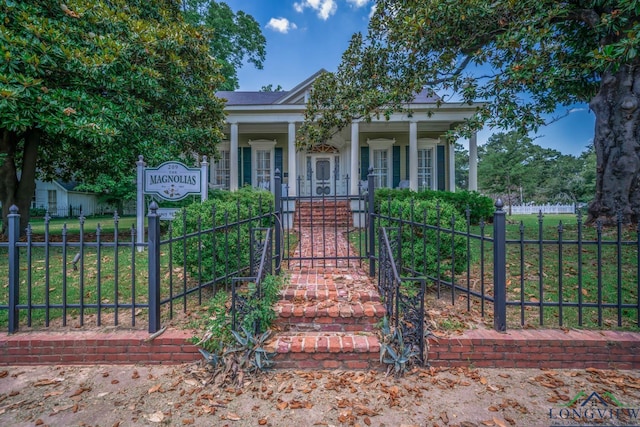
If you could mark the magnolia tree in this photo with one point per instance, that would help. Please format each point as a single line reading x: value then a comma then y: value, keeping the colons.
x: 526, y: 59
x: 86, y: 87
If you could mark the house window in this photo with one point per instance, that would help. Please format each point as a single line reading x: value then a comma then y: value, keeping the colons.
x: 425, y: 169
x: 427, y: 174
x: 52, y: 202
x: 381, y: 168
x: 263, y: 169
x: 380, y: 160
x: 262, y: 156
x: 222, y: 173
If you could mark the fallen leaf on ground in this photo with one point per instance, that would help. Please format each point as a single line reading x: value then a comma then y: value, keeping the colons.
x: 499, y: 422
x: 79, y: 391
x: 46, y: 381
x: 156, y: 417
x: 155, y: 388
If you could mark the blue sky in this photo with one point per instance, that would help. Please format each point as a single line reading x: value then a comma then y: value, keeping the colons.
x: 304, y: 36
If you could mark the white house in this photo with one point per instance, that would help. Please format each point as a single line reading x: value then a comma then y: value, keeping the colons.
x: 405, y: 151
x: 61, y: 199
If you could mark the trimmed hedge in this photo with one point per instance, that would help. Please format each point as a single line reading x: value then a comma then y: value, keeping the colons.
x: 433, y: 221
x: 480, y: 207
x: 225, y: 250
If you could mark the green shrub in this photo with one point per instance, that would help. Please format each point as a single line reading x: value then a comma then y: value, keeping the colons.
x: 420, y: 251
x: 480, y: 207
x: 218, y: 338
x: 225, y: 249
x: 37, y: 212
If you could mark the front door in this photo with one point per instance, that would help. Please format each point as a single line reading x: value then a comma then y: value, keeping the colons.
x: 322, y: 181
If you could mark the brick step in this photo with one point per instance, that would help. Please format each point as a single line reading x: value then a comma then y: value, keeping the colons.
x: 327, y: 292
x: 328, y: 315
x: 323, y: 213
x: 325, y: 350
x: 327, y: 202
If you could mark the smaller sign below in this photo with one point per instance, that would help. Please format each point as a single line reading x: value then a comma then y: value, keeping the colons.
x: 167, y: 214
x: 172, y: 181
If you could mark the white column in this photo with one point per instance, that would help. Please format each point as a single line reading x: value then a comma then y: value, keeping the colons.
x: 355, y: 145
x: 473, y: 163
x: 413, y: 155
x: 233, y: 157
x: 452, y: 167
x: 292, y: 167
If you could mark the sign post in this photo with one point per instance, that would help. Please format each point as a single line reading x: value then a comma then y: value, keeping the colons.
x: 140, y: 164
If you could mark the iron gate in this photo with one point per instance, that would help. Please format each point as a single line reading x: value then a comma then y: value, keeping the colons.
x: 323, y: 228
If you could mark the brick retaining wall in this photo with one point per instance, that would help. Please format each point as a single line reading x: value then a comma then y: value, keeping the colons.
x: 538, y: 349
x: 480, y: 348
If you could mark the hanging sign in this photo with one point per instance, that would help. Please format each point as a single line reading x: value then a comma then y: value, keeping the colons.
x: 172, y: 181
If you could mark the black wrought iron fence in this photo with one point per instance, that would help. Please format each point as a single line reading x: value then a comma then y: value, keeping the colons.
x: 105, y: 278
x: 312, y: 217
x: 403, y: 297
x: 243, y: 289
x: 530, y: 272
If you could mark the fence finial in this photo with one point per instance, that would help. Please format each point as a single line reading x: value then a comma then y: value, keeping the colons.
x: 13, y: 210
x: 499, y: 204
x: 153, y: 207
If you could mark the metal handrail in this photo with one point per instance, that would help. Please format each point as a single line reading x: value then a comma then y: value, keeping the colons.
x: 257, y: 279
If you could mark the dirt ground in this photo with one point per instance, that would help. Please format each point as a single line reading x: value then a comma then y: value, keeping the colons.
x: 183, y: 395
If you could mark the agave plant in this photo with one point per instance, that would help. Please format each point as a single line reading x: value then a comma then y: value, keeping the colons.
x: 250, y: 351
x: 393, y: 350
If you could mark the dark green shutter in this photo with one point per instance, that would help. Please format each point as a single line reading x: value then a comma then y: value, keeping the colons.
x: 278, y: 161
x: 239, y: 167
x: 440, y: 166
x: 395, y: 153
x: 246, y: 165
x: 364, y: 163
x: 406, y: 162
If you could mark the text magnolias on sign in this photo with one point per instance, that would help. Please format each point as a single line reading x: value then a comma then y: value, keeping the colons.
x: 172, y: 181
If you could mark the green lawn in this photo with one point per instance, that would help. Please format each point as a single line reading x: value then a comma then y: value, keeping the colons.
x: 542, y: 272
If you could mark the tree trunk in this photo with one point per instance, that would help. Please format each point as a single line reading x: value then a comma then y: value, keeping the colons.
x: 14, y: 191
x: 617, y: 147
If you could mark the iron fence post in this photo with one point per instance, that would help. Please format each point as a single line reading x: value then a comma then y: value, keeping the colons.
x: 372, y: 231
x: 14, y: 267
x: 278, y: 213
x: 154, y: 267
x: 499, y: 269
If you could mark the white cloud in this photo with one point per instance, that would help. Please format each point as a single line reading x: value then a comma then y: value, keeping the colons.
x: 373, y: 10
x: 281, y: 25
x: 324, y: 8
x: 358, y: 3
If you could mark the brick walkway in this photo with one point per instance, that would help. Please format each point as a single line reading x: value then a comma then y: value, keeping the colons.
x: 329, y: 309
x: 324, y: 247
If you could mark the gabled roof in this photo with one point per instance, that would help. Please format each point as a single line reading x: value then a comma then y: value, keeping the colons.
x: 67, y: 185
x: 297, y: 95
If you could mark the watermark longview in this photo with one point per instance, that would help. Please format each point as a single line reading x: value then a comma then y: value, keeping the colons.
x: 594, y: 409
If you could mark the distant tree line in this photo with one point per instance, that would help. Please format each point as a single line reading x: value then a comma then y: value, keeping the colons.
x: 519, y: 171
